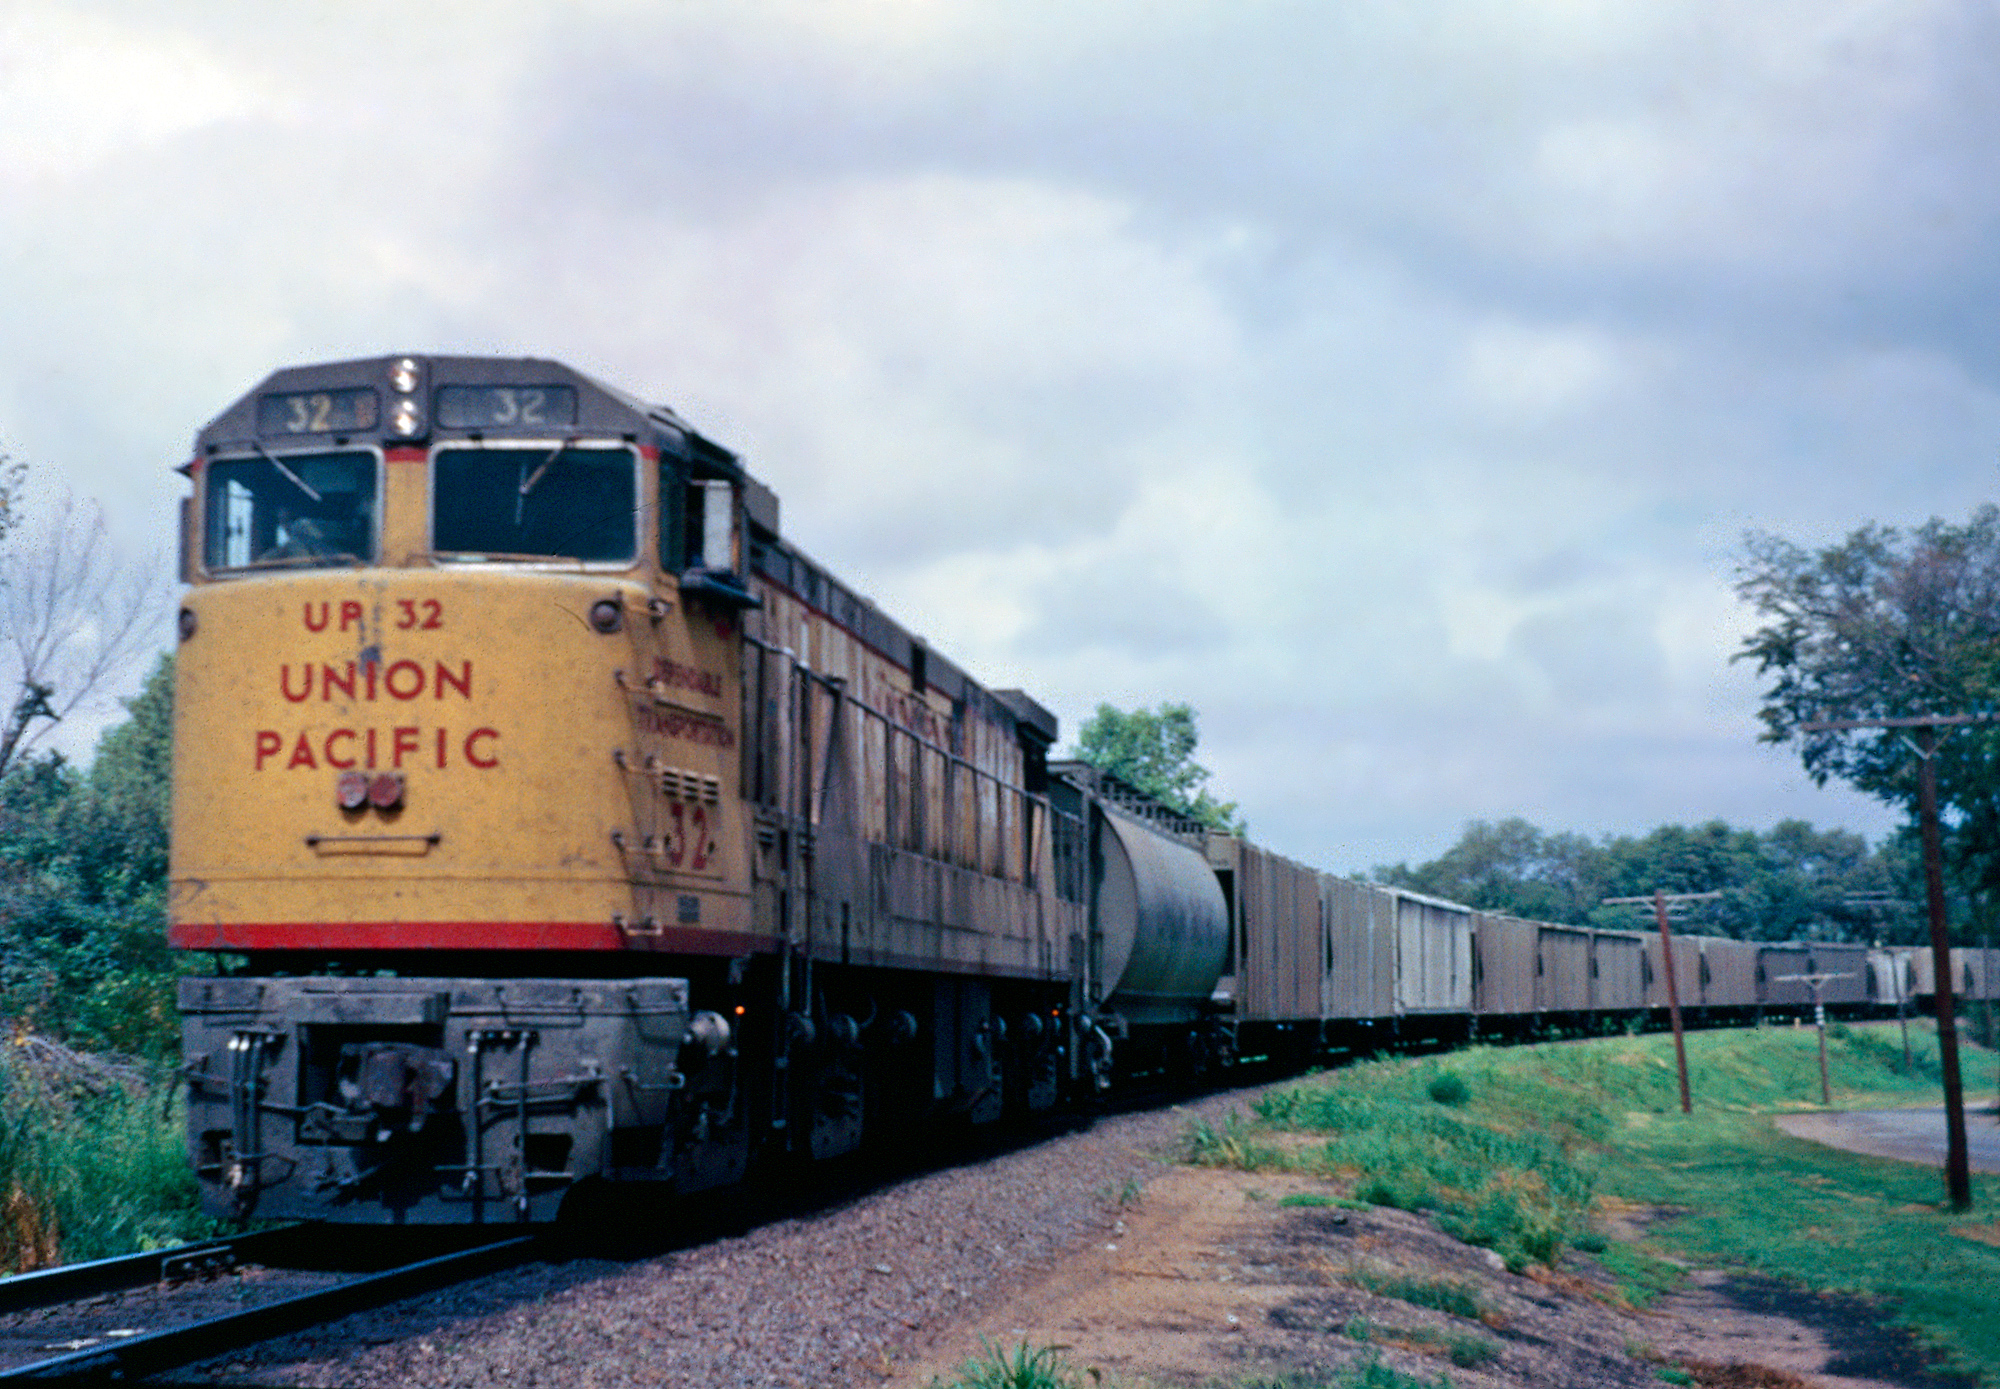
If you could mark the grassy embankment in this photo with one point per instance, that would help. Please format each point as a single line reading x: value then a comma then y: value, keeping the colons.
x: 93, y: 1161
x: 1523, y: 1149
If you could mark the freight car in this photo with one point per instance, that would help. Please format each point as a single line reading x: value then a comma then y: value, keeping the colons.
x: 554, y: 820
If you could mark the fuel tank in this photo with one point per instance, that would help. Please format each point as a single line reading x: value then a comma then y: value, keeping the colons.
x: 1161, y: 934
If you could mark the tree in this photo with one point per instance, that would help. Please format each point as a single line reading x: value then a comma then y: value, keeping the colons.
x: 1511, y: 867
x: 83, y: 867
x: 1888, y: 625
x: 1153, y: 750
x: 75, y: 615
x: 1788, y: 883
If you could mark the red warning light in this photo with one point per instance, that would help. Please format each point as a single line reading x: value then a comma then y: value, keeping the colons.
x: 385, y: 791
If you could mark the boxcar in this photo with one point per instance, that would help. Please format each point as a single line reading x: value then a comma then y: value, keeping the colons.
x: 1780, y: 971
x: 1890, y: 980
x: 1729, y: 973
x: 1688, y: 981
x: 1618, y: 971
x: 1433, y: 955
x: 1847, y: 965
x: 1505, y: 966
x: 1562, y: 981
x: 1281, y: 935
x: 1361, y: 950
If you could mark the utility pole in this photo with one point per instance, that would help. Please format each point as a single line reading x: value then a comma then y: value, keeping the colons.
x: 1958, y: 1173
x: 1818, y: 981
x: 1659, y: 901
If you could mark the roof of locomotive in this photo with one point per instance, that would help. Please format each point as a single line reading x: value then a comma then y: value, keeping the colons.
x: 600, y: 409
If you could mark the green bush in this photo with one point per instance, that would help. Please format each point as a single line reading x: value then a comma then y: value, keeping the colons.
x: 1023, y: 1367
x: 91, y: 1162
x: 1228, y: 1145
x: 1449, y: 1089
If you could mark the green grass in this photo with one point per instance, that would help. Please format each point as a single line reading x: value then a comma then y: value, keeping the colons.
x: 1462, y: 1348
x: 1322, y: 1199
x: 87, y: 1175
x: 1640, y: 1277
x: 1367, y: 1373
x: 1023, y: 1367
x: 1450, y: 1295
x: 1503, y: 1163
x: 1517, y: 1153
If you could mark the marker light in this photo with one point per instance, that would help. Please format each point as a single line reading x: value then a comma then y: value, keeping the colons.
x: 607, y: 615
x: 352, y: 790
x: 385, y: 791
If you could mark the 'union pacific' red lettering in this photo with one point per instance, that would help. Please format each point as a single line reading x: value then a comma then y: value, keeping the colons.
x: 481, y: 735
x: 403, y: 680
x: 410, y: 686
x: 337, y: 747
x: 331, y: 760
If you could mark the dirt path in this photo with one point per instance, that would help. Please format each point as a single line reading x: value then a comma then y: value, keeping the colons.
x: 1209, y: 1278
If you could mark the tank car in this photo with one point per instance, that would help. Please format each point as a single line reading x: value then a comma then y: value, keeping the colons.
x: 552, y: 819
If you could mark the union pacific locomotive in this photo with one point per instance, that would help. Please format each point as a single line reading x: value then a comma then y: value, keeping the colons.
x: 554, y: 821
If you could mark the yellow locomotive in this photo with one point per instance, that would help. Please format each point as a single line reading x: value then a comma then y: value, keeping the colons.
x: 553, y: 820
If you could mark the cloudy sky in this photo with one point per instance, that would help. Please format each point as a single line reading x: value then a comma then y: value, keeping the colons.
x: 1393, y: 382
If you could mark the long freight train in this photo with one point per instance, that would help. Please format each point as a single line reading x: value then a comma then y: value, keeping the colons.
x: 554, y: 821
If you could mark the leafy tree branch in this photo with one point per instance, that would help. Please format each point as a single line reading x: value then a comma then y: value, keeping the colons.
x: 1153, y: 750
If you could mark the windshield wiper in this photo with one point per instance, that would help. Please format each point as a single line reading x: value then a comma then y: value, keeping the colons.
x: 295, y: 479
x: 528, y: 483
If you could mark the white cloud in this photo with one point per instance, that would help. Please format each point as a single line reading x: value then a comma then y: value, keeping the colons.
x: 76, y: 89
x: 1390, y: 385
x: 1520, y: 372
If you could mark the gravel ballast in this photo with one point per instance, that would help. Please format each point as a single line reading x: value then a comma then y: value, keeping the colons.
x: 833, y: 1298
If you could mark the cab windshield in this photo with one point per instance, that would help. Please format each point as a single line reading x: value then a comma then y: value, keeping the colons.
x: 540, y: 502
x: 292, y: 510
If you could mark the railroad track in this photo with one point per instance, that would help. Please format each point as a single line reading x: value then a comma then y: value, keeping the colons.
x: 125, y: 1318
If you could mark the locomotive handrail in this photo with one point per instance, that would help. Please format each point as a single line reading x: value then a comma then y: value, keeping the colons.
x: 429, y: 841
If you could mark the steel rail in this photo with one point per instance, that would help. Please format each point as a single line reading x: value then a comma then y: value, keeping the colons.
x: 68, y: 1282
x: 137, y: 1356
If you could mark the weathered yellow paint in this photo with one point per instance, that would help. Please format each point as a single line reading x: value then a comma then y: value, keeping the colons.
x: 512, y: 674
